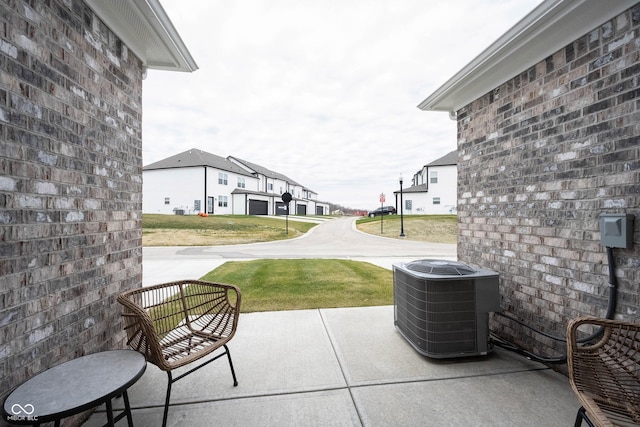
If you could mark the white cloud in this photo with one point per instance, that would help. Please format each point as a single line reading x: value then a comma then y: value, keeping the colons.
x: 323, y: 92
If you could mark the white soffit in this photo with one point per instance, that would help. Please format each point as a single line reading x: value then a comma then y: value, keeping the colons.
x: 548, y: 28
x: 144, y: 27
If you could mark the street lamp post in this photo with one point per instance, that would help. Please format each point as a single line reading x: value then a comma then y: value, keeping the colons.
x: 401, y: 210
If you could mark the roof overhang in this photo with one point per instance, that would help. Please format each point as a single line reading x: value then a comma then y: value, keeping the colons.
x: 144, y: 27
x: 548, y: 28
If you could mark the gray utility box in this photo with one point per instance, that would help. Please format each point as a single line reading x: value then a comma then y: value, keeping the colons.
x: 616, y: 230
x: 442, y: 307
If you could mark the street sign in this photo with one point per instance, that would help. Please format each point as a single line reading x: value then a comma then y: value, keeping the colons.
x: 286, y: 198
x: 382, y: 198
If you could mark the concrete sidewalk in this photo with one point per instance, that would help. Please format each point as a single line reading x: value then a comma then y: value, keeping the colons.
x: 350, y: 367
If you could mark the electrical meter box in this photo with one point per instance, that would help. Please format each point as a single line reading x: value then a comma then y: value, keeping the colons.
x: 616, y: 230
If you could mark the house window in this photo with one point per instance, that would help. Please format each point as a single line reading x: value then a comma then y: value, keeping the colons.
x: 270, y: 186
x: 222, y: 201
x: 223, y: 178
x: 436, y: 200
x: 241, y: 183
x: 167, y: 200
x: 196, y: 205
x: 434, y: 177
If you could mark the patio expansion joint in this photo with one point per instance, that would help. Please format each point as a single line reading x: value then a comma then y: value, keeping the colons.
x: 450, y: 378
x: 348, y: 387
x: 342, y: 369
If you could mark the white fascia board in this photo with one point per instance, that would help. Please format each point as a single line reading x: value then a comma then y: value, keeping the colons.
x: 548, y: 28
x: 144, y: 27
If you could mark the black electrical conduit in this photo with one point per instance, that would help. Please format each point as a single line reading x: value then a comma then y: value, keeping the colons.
x: 611, y: 309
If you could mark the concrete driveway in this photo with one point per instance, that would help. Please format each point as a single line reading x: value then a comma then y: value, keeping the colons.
x: 333, y: 238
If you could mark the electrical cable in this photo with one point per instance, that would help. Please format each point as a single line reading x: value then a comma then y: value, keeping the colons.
x: 516, y: 349
x: 611, y: 308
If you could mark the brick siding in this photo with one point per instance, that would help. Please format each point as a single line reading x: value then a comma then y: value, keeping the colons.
x: 540, y: 158
x: 70, y: 185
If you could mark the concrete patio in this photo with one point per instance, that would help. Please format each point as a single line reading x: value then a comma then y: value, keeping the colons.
x: 350, y: 367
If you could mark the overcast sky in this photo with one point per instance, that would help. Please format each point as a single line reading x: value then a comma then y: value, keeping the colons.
x: 323, y: 91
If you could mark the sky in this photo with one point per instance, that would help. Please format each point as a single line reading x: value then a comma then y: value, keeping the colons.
x: 324, y: 92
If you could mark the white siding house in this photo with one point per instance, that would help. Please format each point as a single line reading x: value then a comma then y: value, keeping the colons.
x: 196, y: 181
x: 434, y: 188
x: 192, y: 182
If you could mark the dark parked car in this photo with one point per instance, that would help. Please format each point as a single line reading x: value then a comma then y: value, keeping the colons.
x: 385, y: 210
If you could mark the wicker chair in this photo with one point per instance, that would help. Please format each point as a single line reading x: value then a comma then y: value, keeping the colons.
x: 606, y: 375
x: 176, y: 323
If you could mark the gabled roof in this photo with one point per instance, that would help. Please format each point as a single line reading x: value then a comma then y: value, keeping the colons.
x: 446, y: 160
x: 421, y: 188
x: 263, y: 171
x: 195, y: 158
x: 144, y: 27
x: 548, y: 28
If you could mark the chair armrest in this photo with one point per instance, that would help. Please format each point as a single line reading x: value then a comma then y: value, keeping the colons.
x: 605, y: 375
x: 211, y: 308
x: 139, y: 327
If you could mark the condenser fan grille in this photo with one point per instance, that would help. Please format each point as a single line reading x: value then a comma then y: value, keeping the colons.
x: 440, y: 268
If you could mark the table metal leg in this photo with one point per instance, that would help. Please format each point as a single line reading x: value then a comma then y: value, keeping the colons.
x: 110, y: 422
x: 127, y: 408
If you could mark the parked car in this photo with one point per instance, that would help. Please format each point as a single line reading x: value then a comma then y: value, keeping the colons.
x: 385, y: 210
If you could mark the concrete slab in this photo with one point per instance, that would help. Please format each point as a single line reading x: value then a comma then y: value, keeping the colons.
x: 346, y: 367
x: 276, y: 352
x: 534, y: 398
x: 372, y: 351
x: 326, y: 408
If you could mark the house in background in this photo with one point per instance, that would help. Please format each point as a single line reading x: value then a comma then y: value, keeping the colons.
x: 196, y: 181
x: 548, y: 141
x: 434, y: 188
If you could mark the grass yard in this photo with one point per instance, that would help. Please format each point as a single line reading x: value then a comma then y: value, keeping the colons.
x: 194, y: 230
x: 282, y: 284
x: 423, y: 228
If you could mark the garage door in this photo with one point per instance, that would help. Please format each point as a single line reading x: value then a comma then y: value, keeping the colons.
x: 301, y: 209
x: 258, y: 207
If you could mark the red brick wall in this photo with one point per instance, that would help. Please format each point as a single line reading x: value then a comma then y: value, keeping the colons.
x: 70, y: 185
x: 540, y: 158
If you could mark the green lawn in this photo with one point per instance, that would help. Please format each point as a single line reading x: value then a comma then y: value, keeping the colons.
x: 194, y: 230
x: 423, y: 228
x: 281, y: 284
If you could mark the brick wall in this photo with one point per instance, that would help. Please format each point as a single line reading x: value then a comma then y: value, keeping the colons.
x: 70, y: 185
x: 540, y: 158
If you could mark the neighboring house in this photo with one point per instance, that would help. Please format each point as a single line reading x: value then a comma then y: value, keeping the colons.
x: 434, y: 188
x: 71, y: 172
x: 548, y: 140
x: 196, y: 181
x: 192, y: 182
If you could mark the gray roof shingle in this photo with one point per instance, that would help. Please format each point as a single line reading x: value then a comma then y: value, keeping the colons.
x: 194, y: 158
x: 446, y: 160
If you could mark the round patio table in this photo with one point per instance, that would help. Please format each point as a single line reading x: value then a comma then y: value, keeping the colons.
x: 75, y: 386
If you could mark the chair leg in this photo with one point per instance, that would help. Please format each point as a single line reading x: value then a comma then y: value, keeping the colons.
x: 233, y: 372
x: 582, y: 415
x: 166, y: 400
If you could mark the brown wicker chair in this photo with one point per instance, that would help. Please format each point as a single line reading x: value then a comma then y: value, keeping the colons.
x: 176, y: 323
x: 605, y: 375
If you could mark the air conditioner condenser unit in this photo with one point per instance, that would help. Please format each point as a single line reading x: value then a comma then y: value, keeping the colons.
x: 442, y: 307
